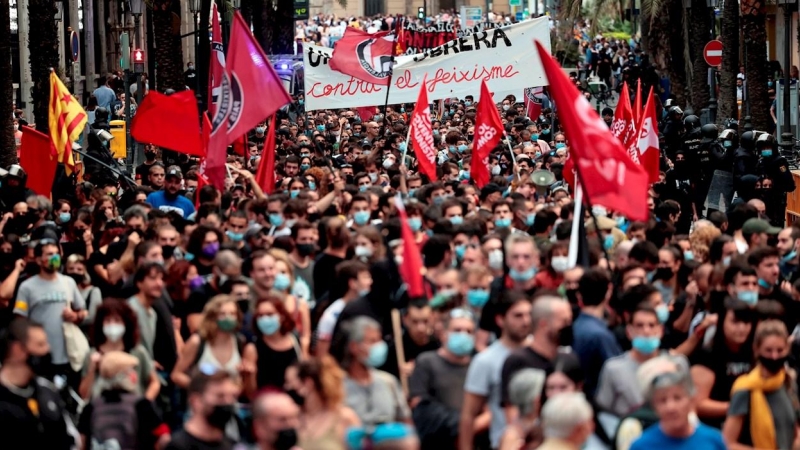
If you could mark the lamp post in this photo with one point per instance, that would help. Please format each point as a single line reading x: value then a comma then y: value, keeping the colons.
x: 195, y: 6
x: 712, y: 71
x: 136, y: 8
x: 786, y: 128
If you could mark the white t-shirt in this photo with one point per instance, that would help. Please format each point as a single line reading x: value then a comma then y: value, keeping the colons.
x: 328, y: 320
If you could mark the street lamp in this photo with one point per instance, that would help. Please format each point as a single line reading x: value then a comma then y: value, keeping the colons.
x: 195, y: 6
x: 786, y: 128
x: 59, y: 11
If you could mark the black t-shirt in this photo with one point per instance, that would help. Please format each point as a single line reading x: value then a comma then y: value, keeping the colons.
x: 324, y: 270
x: 411, y: 351
x: 523, y: 358
x: 203, y: 270
x: 182, y: 440
x: 34, y: 422
x: 489, y: 311
x: 198, y: 299
x: 727, y: 366
x: 147, y: 418
x: 142, y: 173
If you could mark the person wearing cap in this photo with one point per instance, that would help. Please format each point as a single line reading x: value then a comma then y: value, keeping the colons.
x: 757, y: 231
x: 170, y: 198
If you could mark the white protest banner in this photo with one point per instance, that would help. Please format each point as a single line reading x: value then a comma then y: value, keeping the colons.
x: 505, y: 57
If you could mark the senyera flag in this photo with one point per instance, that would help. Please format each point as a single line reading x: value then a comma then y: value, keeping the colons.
x: 366, y: 57
x: 422, y: 133
x: 411, y: 267
x: 623, y: 115
x: 488, y: 131
x: 66, y: 120
x: 250, y: 92
x: 533, y: 102
x: 217, y: 66
x: 647, y: 143
x: 607, y: 176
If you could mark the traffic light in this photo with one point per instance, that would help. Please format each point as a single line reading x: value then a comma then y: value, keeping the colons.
x: 138, y: 61
x: 421, y: 13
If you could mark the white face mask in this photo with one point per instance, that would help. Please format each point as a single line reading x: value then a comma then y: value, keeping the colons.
x: 363, y: 251
x: 496, y: 259
x: 373, y: 177
x: 114, y: 331
x: 496, y: 170
x: 388, y: 162
x: 560, y: 263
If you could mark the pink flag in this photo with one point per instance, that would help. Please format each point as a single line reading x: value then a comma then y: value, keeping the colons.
x: 250, y: 92
x: 217, y: 66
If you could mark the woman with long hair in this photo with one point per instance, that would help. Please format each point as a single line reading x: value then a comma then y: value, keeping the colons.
x: 369, y: 246
x: 763, y: 402
x: 317, y: 386
x: 116, y: 329
x: 296, y: 307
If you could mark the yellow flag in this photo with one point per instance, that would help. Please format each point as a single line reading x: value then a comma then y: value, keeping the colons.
x: 67, y: 120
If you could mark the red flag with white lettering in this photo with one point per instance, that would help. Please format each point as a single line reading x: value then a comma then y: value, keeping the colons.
x: 422, y: 133
x: 608, y: 177
x: 623, y: 115
x: 364, y: 56
x: 488, y: 131
x: 217, y: 66
x: 647, y: 144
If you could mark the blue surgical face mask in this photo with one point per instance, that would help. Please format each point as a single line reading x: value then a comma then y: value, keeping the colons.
x: 462, y: 148
x: 464, y: 175
x: 64, y: 217
x: 762, y: 283
x: 377, y: 355
x: 452, y: 148
x: 361, y: 217
x: 435, y: 132
x: 402, y: 146
x: 530, y: 219
x: 534, y: 137
x: 726, y: 261
x: 688, y: 255
x: 460, y: 250
x: 608, y: 241
x: 269, y: 325
x: 766, y: 153
x: 312, y: 186
x: 646, y: 345
x: 300, y: 101
x: 363, y: 188
x: 477, y: 298
x: 560, y: 145
x: 294, y: 193
x: 749, y: 297
x: 502, y: 223
x: 304, y: 167
x: 456, y: 220
x: 438, y: 200
x: 460, y: 344
x: 662, y: 311
x: 235, y: 237
x: 276, y: 220
x: 260, y: 130
x: 415, y: 223
x: 282, y: 282
x: 321, y: 128
x: 790, y: 256
x: 467, y: 103
x: 412, y: 192
x: 522, y: 276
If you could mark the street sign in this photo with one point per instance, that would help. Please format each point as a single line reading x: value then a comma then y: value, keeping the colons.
x: 75, y: 45
x: 713, y: 53
x: 514, y: 2
x: 300, y: 9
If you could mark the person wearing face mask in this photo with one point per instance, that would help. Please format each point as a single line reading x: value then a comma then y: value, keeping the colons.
x: 765, y: 260
x: 557, y: 263
x: 761, y: 411
x: 375, y: 396
x: 276, y: 419
x: 355, y: 275
x: 211, y: 400
x: 775, y: 167
x: 114, y: 330
x: 227, y: 265
x: 31, y: 411
x: 142, y: 170
x: 216, y: 345
x: 788, y: 244
x: 52, y: 299
x: 92, y: 297
x: 551, y: 324
x: 436, y: 386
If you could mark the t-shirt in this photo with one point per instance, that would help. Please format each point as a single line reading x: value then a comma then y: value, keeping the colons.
x: 727, y: 367
x: 783, y: 415
x: 182, y: 440
x: 594, y: 344
x: 324, y: 269
x: 43, y: 301
x: 21, y: 429
x: 524, y: 358
x: 484, y: 378
x: 181, y: 204
x: 104, y: 95
x: 328, y: 320
x: 704, y: 437
x: 380, y: 401
x: 438, y: 379
x: 617, y: 388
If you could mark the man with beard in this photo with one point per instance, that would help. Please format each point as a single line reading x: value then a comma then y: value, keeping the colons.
x: 143, y: 170
x: 212, y: 399
x: 170, y: 199
x: 51, y: 299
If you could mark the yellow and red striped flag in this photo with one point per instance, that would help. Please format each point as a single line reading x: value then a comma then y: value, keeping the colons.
x: 66, y: 120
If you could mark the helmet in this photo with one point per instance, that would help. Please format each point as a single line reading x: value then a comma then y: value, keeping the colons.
x: 729, y: 139
x: 691, y: 122
x: 766, y: 140
x: 15, y: 170
x: 669, y: 103
x: 732, y: 124
x: 675, y: 111
x: 709, y: 132
x: 101, y: 114
x: 748, y: 140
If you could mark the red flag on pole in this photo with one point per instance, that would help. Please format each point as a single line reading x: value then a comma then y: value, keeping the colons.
x: 623, y: 116
x: 637, y: 105
x: 36, y: 158
x: 366, y: 113
x: 217, y: 66
x: 533, y: 102
x: 363, y: 56
x: 607, y: 176
x: 179, y: 110
x: 647, y: 143
x: 250, y: 91
x: 411, y: 267
x: 422, y: 133
x: 265, y: 175
x: 488, y: 131
x: 201, y: 182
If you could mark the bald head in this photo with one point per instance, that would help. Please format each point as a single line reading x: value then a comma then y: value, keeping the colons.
x: 273, y: 412
x: 759, y: 205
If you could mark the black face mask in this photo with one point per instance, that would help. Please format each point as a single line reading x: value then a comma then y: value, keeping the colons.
x: 572, y: 296
x: 663, y: 273
x: 772, y: 365
x: 167, y: 251
x: 150, y: 156
x: 305, y: 249
x: 296, y: 397
x: 287, y: 438
x: 220, y: 416
x: 41, y: 365
x: 79, y: 278
x: 565, y: 336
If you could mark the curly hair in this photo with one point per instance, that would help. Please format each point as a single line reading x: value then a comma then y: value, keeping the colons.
x: 701, y: 240
x: 208, y: 324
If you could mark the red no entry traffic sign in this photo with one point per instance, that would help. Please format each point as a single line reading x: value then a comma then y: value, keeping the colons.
x: 713, y: 53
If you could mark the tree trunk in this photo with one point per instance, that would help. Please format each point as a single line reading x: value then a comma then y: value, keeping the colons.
x: 756, y: 66
x: 8, y: 154
x: 699, y: 29
x: 43, y: 45
x: 678, y: 75
x: 169, y: 54
x: 730, y: 62
x: 264, y: 23
x: 284, y: 28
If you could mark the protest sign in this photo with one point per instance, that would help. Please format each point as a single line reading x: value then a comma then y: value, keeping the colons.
x: 504, y: 57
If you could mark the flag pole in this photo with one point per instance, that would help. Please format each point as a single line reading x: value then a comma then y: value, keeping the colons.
x: 385, y: 125
x: 513, y: 158
x: 589, y: 208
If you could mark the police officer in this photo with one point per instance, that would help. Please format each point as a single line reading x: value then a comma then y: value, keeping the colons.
x: 745, y: 158
x: 673, y: 130
x: 774, y: 166
x: 13, y: 189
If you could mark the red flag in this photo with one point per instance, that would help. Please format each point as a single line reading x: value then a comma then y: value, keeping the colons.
x: 488, y: 131
x: 363, y: 56
x: 366, y: 113
x: 205, y: 133
x: 637, y: 104
x: 623, y: 115
x: 533, y: 102
x: 35, y: 157
x: 608, y: 177
x: 647, y: 143
x: 265, y: 175
x: 411, y: 267
x: 240, y: 147
x: 250, y: 91
x: 201, y: 182
x: 169, y: 121
x: 422, y: 133
x: 217, y: 66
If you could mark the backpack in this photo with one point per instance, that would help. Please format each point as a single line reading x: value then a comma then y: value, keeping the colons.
x: 114, y: 424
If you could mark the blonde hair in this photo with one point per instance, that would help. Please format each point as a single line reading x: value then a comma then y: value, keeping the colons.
x: 701, y: 240
x: 769, y: 328
x: 281, y: 256
x: 207, y: 329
